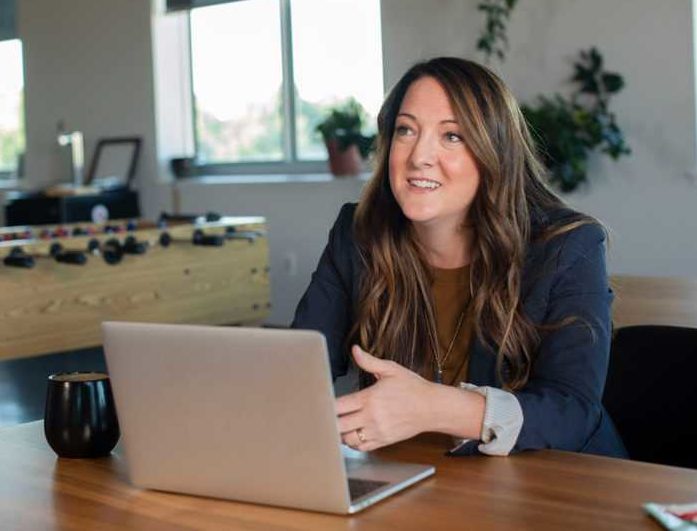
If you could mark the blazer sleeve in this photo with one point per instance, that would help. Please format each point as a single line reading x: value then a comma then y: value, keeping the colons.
x: 326, y: 305
x: 561, y: 402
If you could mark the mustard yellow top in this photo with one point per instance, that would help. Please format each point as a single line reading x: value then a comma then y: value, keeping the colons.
x: 451, y: 297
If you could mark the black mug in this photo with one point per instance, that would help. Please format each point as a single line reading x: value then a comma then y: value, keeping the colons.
x: 80, y: 417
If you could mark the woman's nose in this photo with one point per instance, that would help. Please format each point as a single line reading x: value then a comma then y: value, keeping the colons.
x: 424, y: 152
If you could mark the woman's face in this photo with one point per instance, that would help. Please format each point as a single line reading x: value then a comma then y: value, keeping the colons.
x: 432, y: 174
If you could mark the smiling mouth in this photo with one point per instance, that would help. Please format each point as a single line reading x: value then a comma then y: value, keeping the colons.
x: 425, y: 184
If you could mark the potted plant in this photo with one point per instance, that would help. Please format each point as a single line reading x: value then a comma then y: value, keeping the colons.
x: 346, y: 145
x: 568, y: 130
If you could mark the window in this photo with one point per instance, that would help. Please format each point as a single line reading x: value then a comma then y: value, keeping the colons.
x: 264, y: 73
x: 11, y: 107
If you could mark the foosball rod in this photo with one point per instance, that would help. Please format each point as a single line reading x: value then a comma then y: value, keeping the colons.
x: 17, y: 257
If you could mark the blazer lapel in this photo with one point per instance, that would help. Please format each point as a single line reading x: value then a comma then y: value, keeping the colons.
x: 482, y: 365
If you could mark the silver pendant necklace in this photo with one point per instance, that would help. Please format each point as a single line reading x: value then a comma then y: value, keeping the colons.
x: 440, y: 363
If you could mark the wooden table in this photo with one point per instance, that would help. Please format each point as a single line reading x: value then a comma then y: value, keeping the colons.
x: 536, y: 490
x: 654, y: 301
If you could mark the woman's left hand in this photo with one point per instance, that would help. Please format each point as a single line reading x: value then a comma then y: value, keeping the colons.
x: 395, y: 408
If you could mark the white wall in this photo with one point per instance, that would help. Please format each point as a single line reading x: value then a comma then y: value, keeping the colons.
x: 88, y: 63
x: 414, y: 30
x: 648, y: 200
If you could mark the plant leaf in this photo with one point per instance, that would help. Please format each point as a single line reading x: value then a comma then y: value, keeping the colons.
x: 612, y: 82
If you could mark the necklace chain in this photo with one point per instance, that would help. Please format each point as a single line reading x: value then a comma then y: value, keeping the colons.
x: 440, y: 363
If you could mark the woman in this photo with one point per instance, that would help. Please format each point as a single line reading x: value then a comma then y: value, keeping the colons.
x: 476, y: 303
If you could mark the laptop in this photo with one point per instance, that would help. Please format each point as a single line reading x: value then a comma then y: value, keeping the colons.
x: 244, y: 414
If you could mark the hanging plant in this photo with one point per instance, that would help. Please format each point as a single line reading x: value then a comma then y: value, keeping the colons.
x: 567, y: 131
x: 493, y: 40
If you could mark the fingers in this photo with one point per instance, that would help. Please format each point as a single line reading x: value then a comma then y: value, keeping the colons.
x: 351, y: 403
x: 354, y: 432
x: 351, y: 422
x: 351, y: 439
x: 362, y: 442
x: 371, y: 364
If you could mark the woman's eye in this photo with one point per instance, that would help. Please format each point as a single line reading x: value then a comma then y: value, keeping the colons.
x: 453, y: 137
x: 402, y: 130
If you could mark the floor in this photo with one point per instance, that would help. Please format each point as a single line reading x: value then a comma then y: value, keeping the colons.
x: 23, y: 382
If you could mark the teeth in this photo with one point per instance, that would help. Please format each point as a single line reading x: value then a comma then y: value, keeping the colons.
x: 421, y: 183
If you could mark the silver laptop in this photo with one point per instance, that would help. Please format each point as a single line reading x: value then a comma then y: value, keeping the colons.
x: 245, y: 414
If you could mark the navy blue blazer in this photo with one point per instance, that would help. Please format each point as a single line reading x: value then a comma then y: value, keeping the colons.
x: 562, y: 277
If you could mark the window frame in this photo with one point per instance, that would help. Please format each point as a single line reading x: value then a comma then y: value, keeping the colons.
x: 290, y: 164
x: 6, y: 178
x: 11, y: 179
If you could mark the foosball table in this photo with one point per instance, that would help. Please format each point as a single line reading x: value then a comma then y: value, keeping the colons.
x: 59, y: 283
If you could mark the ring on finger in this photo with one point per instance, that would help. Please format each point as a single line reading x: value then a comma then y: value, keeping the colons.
x: 361, y: 435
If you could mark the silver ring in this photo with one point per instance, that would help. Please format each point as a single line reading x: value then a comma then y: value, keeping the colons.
x: 361, y: 435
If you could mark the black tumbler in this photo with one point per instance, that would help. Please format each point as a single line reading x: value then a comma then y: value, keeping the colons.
x: 80, y: 417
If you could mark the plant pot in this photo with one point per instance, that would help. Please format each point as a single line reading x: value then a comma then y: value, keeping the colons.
x: 343, y: 163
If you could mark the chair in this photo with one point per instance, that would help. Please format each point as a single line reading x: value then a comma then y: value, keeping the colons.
x: 651, y: 393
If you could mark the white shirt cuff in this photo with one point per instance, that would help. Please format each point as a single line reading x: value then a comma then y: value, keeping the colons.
x: 503, y: 420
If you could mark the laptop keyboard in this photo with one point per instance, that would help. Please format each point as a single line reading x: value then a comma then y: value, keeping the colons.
x: 361, y: 487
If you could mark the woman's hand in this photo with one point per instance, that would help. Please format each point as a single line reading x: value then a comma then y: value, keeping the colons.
x: 397, y: 407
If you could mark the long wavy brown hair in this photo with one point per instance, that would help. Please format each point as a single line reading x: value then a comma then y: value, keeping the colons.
x: 395, y: 316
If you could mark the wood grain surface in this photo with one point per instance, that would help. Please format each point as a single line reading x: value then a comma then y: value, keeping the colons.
x: 654, y: 301
x: 535, y: 490
x: 57, y: 307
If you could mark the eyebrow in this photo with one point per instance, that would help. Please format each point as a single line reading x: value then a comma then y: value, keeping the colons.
x: 448, y: 121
